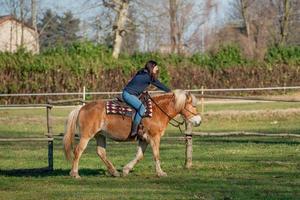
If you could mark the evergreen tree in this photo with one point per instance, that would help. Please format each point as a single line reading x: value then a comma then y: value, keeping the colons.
x: 68, y: 28
x: 58, y: 30
x: 48, y: 28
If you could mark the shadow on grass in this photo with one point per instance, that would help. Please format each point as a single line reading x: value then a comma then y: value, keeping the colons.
x: 44, y: 172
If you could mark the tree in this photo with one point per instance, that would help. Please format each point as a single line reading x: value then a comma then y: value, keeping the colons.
x: 34, y: 22
x: 251, y: 22
x: 130, y: 43
x: 121, y: 8
x: 102, y: 25
x: 286, y: 21
x: 174, y: 29
x: 173, y: 25
x: 58, y: 30
x: 264, y: 24
x: 68, y: 28
x: 22, y: 21
x: 49, y: 30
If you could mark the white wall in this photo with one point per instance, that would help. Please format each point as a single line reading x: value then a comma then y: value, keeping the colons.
x: 10, y: 37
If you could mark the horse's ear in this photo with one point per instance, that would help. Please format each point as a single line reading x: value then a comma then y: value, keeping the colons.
x: 188, y: 96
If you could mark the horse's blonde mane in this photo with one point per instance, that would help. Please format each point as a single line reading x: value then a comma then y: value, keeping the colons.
x: 180, y: 99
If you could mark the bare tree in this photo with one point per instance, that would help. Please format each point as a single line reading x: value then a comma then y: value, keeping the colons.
x: 34, y: 22
x: 294, y: 25
x: 22, y: 21
x: 241, y: 11
x: 284, y: 10
x: 251, y: 26
x: 152, y: 24
x: 285, y: 21
x: 173, y: 25
x: 245, y: 4
x: 121, y: 8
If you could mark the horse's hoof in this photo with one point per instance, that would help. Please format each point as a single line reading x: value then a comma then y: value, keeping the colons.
x: 162, y: 174
x: 74, y: 175
x: 115, y: 174
x: 125, y: 171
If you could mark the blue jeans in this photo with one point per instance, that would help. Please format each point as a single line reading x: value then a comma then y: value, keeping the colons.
x: 136, y: 104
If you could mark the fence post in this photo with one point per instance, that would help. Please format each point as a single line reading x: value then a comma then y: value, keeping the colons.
x: 189, y: 146
x: 202, y: 100
x: 50, y: 143
x: 83, y: 95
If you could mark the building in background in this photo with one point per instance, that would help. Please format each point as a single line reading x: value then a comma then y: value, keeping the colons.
x: 15, y: 34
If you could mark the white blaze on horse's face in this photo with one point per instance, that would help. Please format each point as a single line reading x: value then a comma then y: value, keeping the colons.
x: 195, y: 120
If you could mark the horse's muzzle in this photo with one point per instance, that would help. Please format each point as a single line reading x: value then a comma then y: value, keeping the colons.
x: 195, y: 120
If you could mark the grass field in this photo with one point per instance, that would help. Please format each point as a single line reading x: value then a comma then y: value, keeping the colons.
x: 223, y: 167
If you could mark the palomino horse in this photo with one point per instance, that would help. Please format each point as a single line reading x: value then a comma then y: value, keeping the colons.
x: 93, y: 122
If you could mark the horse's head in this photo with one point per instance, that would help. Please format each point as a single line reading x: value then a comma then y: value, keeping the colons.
x: 186, y: 105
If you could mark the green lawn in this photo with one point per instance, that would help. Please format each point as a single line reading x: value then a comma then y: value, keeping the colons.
x: 223, y: 167
x: 251, y: 106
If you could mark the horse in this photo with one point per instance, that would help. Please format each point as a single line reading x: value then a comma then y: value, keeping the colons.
x: 93, y: 122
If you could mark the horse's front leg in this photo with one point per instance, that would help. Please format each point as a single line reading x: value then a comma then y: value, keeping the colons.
x: 139, y: 156
x: 155, y: 143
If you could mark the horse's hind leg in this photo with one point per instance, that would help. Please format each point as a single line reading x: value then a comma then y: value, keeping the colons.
x: 77, y: 154
x: 139, y: 156
x: 101, y: 151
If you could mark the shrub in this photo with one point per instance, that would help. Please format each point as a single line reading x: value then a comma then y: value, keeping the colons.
x: 227, y: 56
x: 287, y: 55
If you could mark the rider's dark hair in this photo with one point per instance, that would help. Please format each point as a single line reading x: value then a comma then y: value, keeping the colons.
x: 149, y: 67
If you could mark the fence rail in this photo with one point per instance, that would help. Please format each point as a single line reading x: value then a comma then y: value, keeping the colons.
x: 49, y: 133
x: 84, y: 93
x: 24, y: 139
x: 188, y: 132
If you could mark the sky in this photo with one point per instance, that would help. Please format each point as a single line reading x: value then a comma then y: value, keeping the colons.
x: 85, y: 9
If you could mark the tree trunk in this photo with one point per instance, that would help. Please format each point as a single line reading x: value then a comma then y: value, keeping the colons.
x: 285, y: 22
x: 173, y: 24
x: 179, y: 41
x: 119, y: 28
x: 34, y: 23
x: 244, y: 12
x: 22, y: 21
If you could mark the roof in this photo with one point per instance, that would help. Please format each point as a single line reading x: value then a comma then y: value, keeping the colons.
x: 11, y: 18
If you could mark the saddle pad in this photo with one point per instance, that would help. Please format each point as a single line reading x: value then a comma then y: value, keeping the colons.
x: 119, y: 108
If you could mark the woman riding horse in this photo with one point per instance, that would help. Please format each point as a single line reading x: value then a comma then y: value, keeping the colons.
x: 143, y: 78
x: 93, y: 121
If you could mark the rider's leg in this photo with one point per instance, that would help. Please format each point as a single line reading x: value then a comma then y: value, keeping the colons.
x: 137, y: 119
x: 136, y: 104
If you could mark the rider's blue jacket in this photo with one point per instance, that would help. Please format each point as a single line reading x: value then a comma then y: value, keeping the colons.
x: 141, y: 81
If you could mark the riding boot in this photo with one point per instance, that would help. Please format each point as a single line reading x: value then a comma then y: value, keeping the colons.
x: 134, y: 128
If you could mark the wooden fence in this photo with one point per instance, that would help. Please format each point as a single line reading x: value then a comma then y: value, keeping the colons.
x: 188, y: 136
x: 47, y: 137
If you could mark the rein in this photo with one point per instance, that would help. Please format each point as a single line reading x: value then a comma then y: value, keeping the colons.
x: 176, y: 123
x: 190, y: 112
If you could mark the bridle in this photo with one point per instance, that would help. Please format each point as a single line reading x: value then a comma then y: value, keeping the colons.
x: 175, y: 122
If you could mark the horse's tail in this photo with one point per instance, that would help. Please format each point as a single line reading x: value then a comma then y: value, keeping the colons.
x: 70, y: 129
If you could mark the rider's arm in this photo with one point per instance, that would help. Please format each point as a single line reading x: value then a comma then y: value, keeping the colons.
x: 161, y: 86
